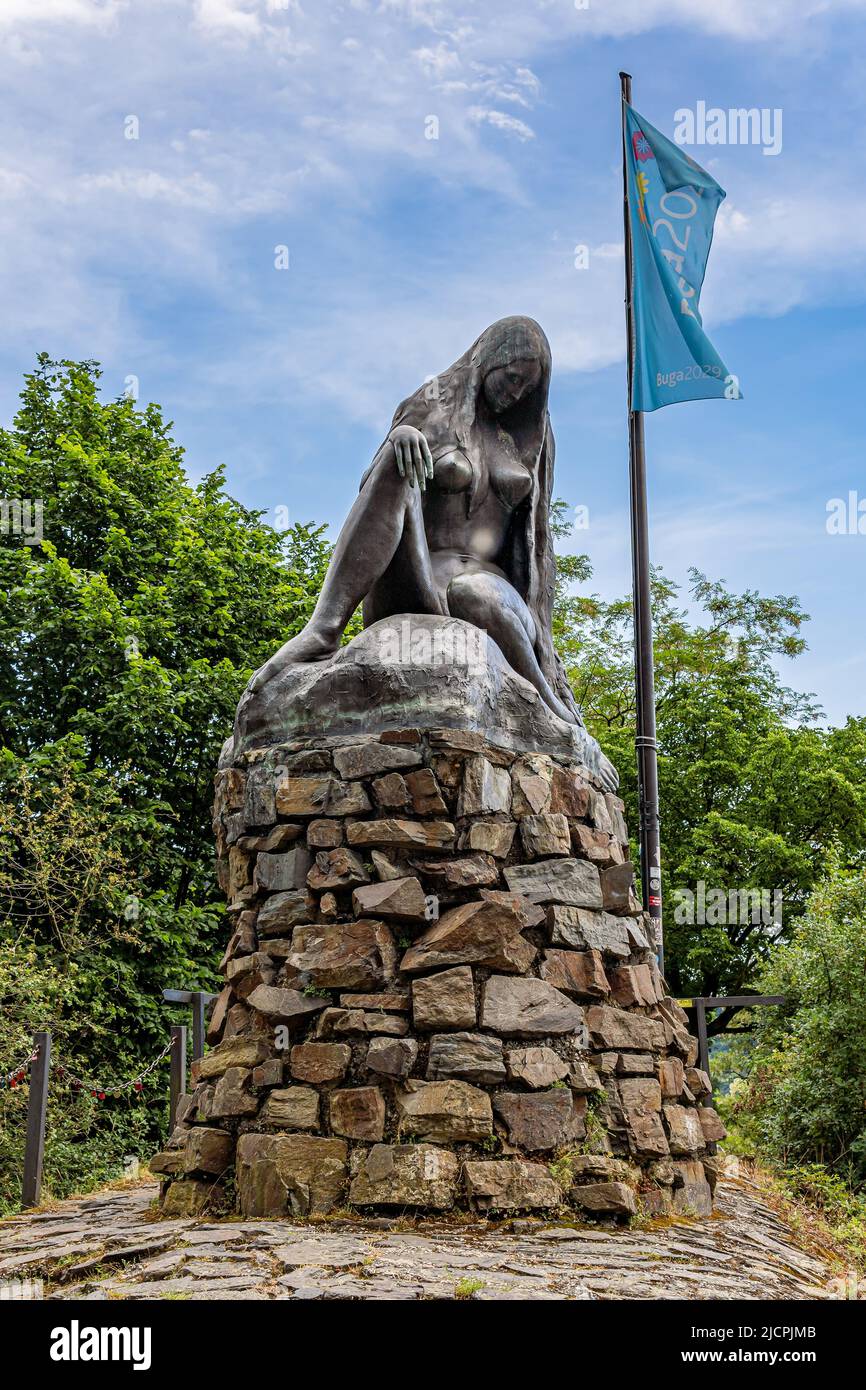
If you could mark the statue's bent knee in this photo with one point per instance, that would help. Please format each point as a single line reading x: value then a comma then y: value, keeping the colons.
x: 470, y: 596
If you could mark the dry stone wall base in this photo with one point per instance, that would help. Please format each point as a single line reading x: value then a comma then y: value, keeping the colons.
x: 439, y: 993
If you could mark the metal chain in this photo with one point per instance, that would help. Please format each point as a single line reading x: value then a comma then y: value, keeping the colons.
x: 114, y: 1088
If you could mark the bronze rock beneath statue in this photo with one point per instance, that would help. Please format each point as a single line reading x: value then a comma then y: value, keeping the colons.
x: 415, y: 671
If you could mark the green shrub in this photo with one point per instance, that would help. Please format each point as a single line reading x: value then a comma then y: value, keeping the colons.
x: 804, y: 1101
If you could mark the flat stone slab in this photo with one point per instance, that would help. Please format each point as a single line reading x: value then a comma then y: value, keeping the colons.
x: 745, y: 1251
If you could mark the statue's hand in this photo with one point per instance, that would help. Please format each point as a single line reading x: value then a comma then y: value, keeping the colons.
x: 412, y: 453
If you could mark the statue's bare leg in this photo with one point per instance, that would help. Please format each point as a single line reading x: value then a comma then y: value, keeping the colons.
x: 386, y: 513
x: 492, y: 604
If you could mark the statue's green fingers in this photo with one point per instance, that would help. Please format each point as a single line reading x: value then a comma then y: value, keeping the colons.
x: 428, y: 457
x: 419, y: 464
x: 407, y: 463
x: 398, y: 456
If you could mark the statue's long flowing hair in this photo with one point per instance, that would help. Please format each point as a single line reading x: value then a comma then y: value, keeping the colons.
x: 449, y: 410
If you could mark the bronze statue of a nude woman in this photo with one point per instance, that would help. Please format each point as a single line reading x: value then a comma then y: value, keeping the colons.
x: 453, y: 516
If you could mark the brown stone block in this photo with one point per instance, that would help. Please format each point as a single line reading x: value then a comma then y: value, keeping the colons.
x: 531, y: 781
x: 233, y: 1094
x: 399, y: 899
x: 672, y: 1077
x: 391, y: 792
x: 234, y: 1052
x: 426, y: 794
x: 444, y: 1112
x: 358, y: 1113
x: 191, y: 1197
x: 691, y: 1195
x: 372, y: 759
x: 344, y: 1022
x: 605, y: 1198
x: 616, y: 1029
x: 492, y: 837
x: 537, y: 1067
x: 545, y: 835
x: 446, y: 1000
x: 646, y: 1135
x: 392, y: 1056
x: 616, y: 888
x: 284, y: 1006
x: 472, y: 871
x: 483, y: 933
x: 350, y: 955
x: 684, y: 1129
x: 401, y: 834
x: 579, y: 973
x: 471, y: 1057
x: 711, y: 1126
x: 538, y: 1121
x: 281, y: 912
x: 527, y: 1008
x: 406, y: 1175
x: 324, y: 834
x: 569, y: 794
x: 320, y: 1063
x: 335, y: 869
x: 632, y: 985
x: 290, y: 1174
x: 510, y: 1184
x: 640, y: 1094
x: 320, y: 796
x: 485, y: 789
x: 574, y: 882
x: 594, y: 845
x: 390, y: 1002
x: 580, y: 928
x: 293, y: 1107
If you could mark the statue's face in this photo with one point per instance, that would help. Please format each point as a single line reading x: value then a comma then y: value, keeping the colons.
x: 505, y: 386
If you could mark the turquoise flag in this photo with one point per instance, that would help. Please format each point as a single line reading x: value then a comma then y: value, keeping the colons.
x: 672, y: 206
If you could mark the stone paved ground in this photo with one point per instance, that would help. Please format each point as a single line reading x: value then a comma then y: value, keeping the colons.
x: 113, y: 1245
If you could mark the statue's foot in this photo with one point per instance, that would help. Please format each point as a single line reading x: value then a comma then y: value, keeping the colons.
x: 309, y: 645
x: 601, y: 766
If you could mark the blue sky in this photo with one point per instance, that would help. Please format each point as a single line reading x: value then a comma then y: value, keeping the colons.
x: 302, y: 123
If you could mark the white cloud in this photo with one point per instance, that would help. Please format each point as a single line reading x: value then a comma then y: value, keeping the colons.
x: 150, y: 186
x: 772, y: 253
x: 237, y: 17
x: 436, y: 62
x: 14, y: 13
x: 501, y: 121
x: 754, y: 21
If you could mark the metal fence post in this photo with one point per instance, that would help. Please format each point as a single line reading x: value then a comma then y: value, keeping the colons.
x: 199, y: 1001
x: 34, y: 1148
x: 703, y: 1045
x: 178, y: 1072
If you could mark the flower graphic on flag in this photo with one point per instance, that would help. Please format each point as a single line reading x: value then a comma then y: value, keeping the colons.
x: 641, y: 146
x: 642, y: 189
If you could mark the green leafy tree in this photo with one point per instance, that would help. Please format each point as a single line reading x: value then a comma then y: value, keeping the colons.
x: 754, y: 792
x: 126, y: 639
x: 70, y: 961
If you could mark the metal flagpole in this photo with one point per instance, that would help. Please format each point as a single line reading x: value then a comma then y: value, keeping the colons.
x: 645, y: 740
